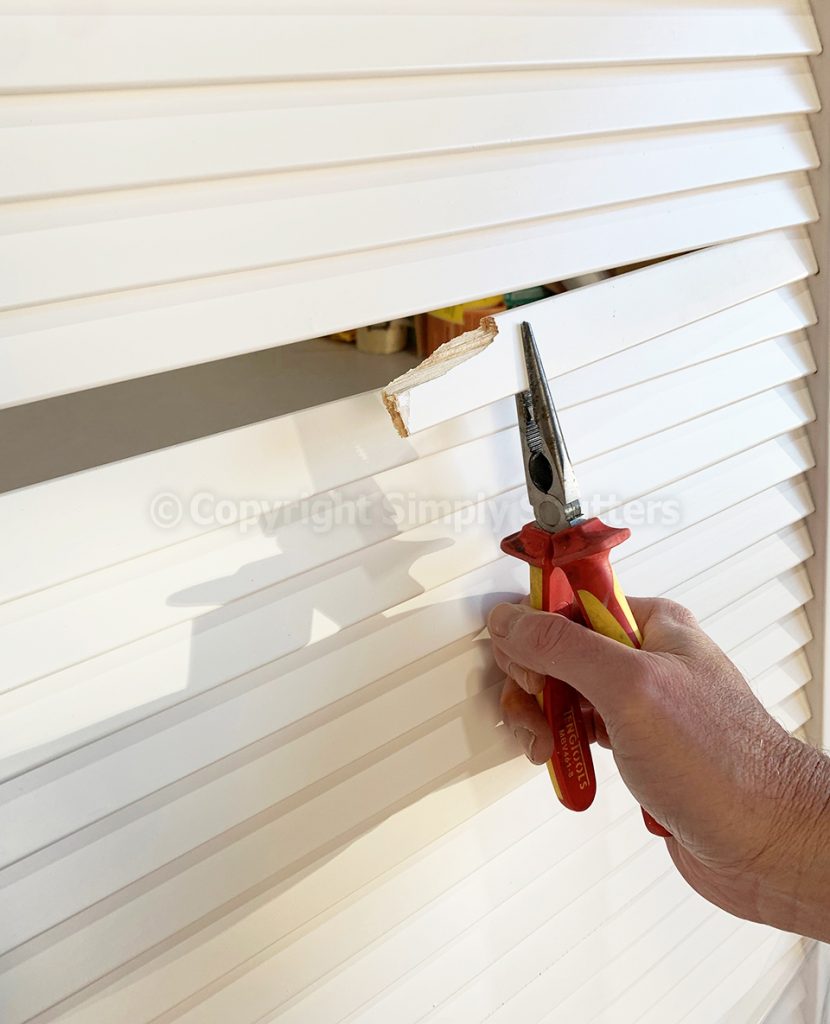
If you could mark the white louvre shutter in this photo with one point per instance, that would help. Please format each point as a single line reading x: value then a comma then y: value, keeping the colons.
x: 256, y: 772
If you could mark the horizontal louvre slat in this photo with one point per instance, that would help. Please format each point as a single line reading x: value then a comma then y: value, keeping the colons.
x: 545, y: 979
x: 714, y: 589
x: 782, y: 679
x: 200, y: 320
x: 310, y: 216
x: 787, y: 636
x: 665, y: 561
x: 618, y: 866
x: 174, y: 135
x: 784, y: 594
x: 613, y: 995
x: 754, y: 369
x: 775, y: 313
x: 785, y: 952
x: 724, y: 970
x: 608, y: 316
x: 130, y: 50
x: 793, y: 711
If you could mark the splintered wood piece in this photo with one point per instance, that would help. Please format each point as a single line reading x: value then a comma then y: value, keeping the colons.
x: 444, y: 358
x: 590, y: 323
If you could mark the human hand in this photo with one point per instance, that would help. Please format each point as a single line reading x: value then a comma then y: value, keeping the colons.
x: 744, y: 801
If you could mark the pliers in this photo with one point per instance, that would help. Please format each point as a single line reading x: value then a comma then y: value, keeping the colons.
x: 570, y: 573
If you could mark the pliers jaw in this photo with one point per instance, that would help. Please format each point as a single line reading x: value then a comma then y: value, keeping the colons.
x: 551, y: 483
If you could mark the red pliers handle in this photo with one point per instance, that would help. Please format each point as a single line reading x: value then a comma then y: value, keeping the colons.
x: 571, y: 574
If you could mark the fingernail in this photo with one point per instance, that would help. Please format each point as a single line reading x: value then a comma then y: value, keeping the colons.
x: 501, y: 619
x: 519, y: 674
x: 526, y: 740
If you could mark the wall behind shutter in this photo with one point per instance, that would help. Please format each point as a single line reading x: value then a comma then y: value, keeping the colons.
x: 255, y: 771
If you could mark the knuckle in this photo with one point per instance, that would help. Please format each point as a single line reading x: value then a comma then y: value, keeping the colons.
x: 677, y: 613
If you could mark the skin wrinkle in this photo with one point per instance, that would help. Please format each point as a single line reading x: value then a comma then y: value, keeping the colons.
x: 746, y: 803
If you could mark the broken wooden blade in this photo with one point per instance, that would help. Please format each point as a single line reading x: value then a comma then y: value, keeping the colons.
x: 579, y: 327
x: 447, y: 356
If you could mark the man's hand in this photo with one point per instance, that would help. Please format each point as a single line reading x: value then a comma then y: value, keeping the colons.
x: 746, y: 803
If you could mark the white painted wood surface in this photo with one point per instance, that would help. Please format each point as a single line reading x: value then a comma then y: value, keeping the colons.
x: 251, y: 768
x: 585, y: 324
x: 170, y: 135
x: 130, y: 50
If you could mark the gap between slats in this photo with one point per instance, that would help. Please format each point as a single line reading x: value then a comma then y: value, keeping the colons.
x: 320, y: 296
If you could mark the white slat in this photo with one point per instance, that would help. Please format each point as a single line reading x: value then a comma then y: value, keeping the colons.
x: 786, y: 593
x: 167, y: 135
x: 793, y: 711
x: 714, y: 589
x: 780, y: 952
x: 221, y: 316
x: 716, y: 930
x: 787, y: 636
x: 130, y: 50
x: 607, y: 316
x: 308, y: 216
x: 783, y: 679
x: 730, y: 970
x: 664, y: 561
x: 546, y: 978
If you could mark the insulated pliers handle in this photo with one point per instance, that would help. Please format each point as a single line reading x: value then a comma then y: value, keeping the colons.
x: 571, y: 574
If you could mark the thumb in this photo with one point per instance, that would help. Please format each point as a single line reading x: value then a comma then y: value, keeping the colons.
x: 601, y: 669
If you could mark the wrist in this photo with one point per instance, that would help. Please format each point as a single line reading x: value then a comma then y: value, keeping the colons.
x: 794, y: 890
